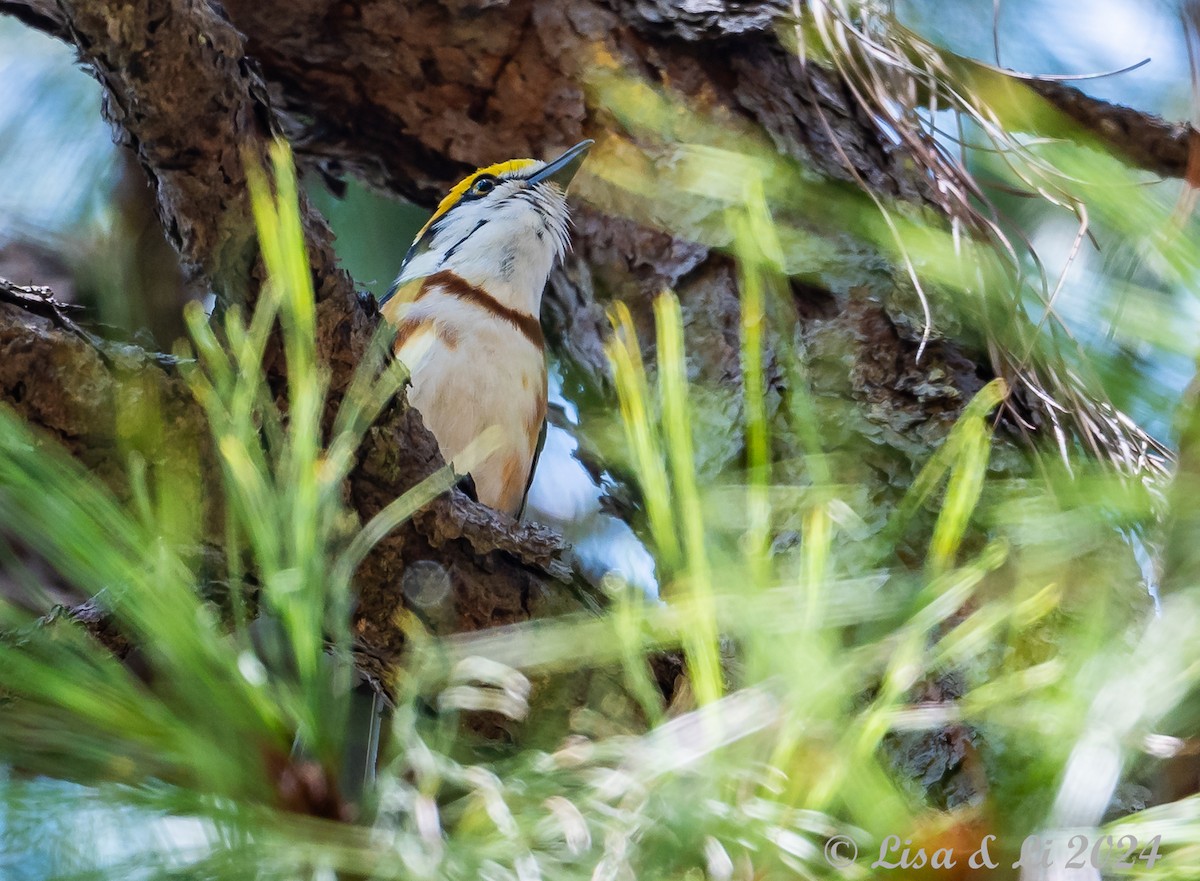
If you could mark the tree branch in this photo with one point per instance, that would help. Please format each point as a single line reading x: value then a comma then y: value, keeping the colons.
x: 1141, y: 139
x: 180, y: 91
x: 38, y: 14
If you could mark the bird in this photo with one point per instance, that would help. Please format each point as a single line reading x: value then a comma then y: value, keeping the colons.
x: 466, y: 310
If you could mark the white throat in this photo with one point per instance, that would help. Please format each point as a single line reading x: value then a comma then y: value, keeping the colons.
x: 505, y: 245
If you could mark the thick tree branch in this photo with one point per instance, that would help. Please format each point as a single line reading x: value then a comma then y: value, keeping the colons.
x: 95, y: 399
x: 1142, y: 139
x: 38, y: 14
x: 181, y: 92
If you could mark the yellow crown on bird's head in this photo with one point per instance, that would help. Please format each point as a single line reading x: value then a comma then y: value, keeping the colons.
x: 511, y: 176
x: 460, y: 189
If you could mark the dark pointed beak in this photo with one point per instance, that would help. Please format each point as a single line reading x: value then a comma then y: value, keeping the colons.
x: 562, y: 169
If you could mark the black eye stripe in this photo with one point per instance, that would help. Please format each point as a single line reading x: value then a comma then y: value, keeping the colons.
x: 533, y: 197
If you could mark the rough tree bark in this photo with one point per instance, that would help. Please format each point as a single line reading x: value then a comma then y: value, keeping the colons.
x: 409, y: 96
x: 183, y: 95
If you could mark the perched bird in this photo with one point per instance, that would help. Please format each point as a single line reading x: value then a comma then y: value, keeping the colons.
x: 465, y: 307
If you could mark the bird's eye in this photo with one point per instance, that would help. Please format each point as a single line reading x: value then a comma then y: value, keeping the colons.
x: 483, y: 186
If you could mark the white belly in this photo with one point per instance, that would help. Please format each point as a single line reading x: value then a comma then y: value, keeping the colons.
x: 471, y: 373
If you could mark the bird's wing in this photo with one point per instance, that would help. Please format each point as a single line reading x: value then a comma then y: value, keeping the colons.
x: 532, y: 468
x: 400, y: 293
